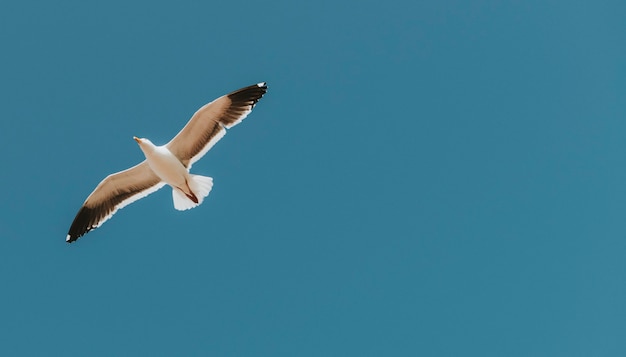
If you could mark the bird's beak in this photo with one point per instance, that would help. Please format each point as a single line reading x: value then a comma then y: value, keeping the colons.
x: 137, y: 139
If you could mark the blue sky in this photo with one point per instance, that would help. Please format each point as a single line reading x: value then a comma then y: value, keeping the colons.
x: 432, y: 178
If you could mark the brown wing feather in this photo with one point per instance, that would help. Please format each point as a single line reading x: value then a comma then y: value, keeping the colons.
x: 114, y: 192
x: 208, y: 124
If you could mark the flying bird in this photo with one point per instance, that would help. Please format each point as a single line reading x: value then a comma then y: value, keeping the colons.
x: 168, y: 164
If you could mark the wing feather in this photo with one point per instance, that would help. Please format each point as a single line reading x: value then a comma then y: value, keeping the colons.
x: 208, y: 125
x: 114, y: 192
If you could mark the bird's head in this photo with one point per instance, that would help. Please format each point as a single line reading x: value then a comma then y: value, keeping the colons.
x: 144, y: 143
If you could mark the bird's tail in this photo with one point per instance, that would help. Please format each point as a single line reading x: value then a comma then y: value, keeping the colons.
x: 199, y: 185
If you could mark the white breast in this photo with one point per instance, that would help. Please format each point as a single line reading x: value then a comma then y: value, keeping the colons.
x: 167, y: 166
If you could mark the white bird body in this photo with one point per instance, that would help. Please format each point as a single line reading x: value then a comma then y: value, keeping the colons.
x: 165, y: 165
x: 168, y: 164
x: 188, y: 191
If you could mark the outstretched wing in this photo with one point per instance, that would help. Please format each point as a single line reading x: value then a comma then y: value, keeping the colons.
x: 208, y: 125
x: 114, y: 192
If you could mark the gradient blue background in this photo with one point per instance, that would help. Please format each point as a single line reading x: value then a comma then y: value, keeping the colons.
x: 423, y: 178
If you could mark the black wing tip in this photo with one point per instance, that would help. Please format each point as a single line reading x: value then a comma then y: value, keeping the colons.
x: 250, y: 93
x: 82, y: 224
x: 73, y: 236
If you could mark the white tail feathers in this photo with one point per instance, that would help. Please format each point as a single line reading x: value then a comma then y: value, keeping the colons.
x: 199, y: 185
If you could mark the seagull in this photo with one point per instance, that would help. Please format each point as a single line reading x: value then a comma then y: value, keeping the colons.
x: 168, y: 164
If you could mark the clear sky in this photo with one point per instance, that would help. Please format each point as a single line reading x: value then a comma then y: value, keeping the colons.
x: 423, y: 178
